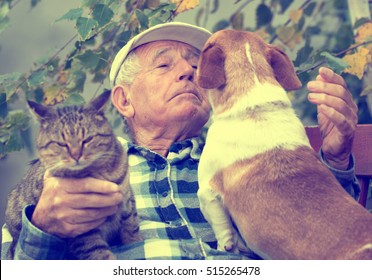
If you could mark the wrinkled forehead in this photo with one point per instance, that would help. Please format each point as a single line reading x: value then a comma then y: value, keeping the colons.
x: 153, y: 50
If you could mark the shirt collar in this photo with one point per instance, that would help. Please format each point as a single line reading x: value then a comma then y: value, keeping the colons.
x: 178, y: 151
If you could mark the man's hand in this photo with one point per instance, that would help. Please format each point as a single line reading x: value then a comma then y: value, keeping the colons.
x: 337, y: 116
x: 70, y: 207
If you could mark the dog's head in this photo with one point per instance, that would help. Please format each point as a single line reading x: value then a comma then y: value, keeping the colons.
x: 240, y: 57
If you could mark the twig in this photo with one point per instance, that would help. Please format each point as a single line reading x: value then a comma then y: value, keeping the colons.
x: 320, y: 63
x: 46, y: 63
x: 323, y: 61
x: 289, y: 20
x: 353, y: 48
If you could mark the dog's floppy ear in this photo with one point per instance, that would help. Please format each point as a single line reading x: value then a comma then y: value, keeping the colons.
x: 211, y: 68
x: 283, y: 69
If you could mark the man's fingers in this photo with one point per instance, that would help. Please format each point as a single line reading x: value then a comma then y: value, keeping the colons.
x: 84, y: 216
x: 67, y: 230
x: 330, y: 89
x: 82, y: 185
x: 321, y: 91
x: 338, y: 104
x: 88, y: 200
x: 344, y: 125
x: 327, y: 75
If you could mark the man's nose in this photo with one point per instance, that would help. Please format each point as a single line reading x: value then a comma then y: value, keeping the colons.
x: 187, y: 71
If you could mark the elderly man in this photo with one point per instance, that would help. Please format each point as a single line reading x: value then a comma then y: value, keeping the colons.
x: 165, y: 110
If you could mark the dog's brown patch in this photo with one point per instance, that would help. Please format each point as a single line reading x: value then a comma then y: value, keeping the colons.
x: 236, y: 75
x: 312, y: 216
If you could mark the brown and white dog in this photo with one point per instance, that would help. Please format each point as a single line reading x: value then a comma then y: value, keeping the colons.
x: 258, y: 166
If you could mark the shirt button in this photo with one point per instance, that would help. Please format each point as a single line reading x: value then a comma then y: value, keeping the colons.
x: 164, y: 194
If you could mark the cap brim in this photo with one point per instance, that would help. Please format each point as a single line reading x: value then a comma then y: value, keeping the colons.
x: 176, y: 31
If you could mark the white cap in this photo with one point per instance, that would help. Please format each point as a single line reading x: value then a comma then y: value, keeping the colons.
x: 176, y: 31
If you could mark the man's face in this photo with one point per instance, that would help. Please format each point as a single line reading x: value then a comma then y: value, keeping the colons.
x: 164, y: 92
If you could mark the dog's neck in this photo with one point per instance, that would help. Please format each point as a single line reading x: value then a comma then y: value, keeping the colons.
x: 252, y: 102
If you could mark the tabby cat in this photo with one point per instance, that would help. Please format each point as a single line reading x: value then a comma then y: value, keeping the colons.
x: 77, y: 142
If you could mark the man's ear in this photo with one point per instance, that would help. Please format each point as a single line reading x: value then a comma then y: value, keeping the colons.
x: 120, y: 99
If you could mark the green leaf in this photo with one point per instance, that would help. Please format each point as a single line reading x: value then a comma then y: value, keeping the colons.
x: 4, y: 24
x: 303, y: 54
x: 199, y: 16
x: 153, y: 4
x: 237, y: 21
x: 310, y: 9
x: 4, y: 20
x: 73, y: 14
x: 161, y: 14
x: 77, y: 84
x: 4, y: 10
x: 123, y: 38
x: 74, y: 99
x: 222, y: 24
x: 34, y: 3
x: 366, y: 91
x: 86, y: 28
x: 27, y: 140
x: 285, y: 4
x: 360, y: 22
x: 90, y: 3
x: 155, y: 21
x: 13, y: 144
x: 344, y: 38
x: 19, y: 119
x: 103, y: 60
x: 36, y: 95
x: 142, y: 20
x: 36, y: 78
x: 216, y: 5
x: 311, y: 30
x: 337, y: 64
x: 89, y: 59
x: 263, y: 15
x: 3, y: 105
x: 285, y: 33
x: 9, y: 82
x: 102, y: 14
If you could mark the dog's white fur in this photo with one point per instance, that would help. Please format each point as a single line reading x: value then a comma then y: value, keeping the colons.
x: 230, y: 132
x: 228, y: 135
x: 260, y: 120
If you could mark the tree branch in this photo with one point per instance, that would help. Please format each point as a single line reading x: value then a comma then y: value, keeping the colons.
x: 46, y: 63
x: 323, y: 61
x: 289, y: 20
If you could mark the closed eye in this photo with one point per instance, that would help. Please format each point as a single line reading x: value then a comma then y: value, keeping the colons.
x: 163, y: 65
x: 87, y: 140
x: 64, y: 145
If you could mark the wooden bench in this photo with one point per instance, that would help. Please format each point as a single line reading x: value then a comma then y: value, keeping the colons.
x: 362, y: 151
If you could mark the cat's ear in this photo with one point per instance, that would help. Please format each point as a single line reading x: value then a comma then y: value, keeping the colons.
x: 41, y: 112
x: 98, y: 103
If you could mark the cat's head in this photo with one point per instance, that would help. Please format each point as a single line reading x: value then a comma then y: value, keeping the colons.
x: 74, y: 139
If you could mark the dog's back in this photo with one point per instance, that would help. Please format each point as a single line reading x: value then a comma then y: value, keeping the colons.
x: 286, y: 204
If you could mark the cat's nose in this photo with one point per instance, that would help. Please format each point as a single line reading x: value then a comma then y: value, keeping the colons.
x: 75, y: 153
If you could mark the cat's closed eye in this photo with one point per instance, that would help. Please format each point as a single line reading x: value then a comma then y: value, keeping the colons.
x: 87, y: 140
x: 63, y: 145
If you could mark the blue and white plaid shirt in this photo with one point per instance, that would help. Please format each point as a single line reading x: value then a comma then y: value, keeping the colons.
x: 171, y: 222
